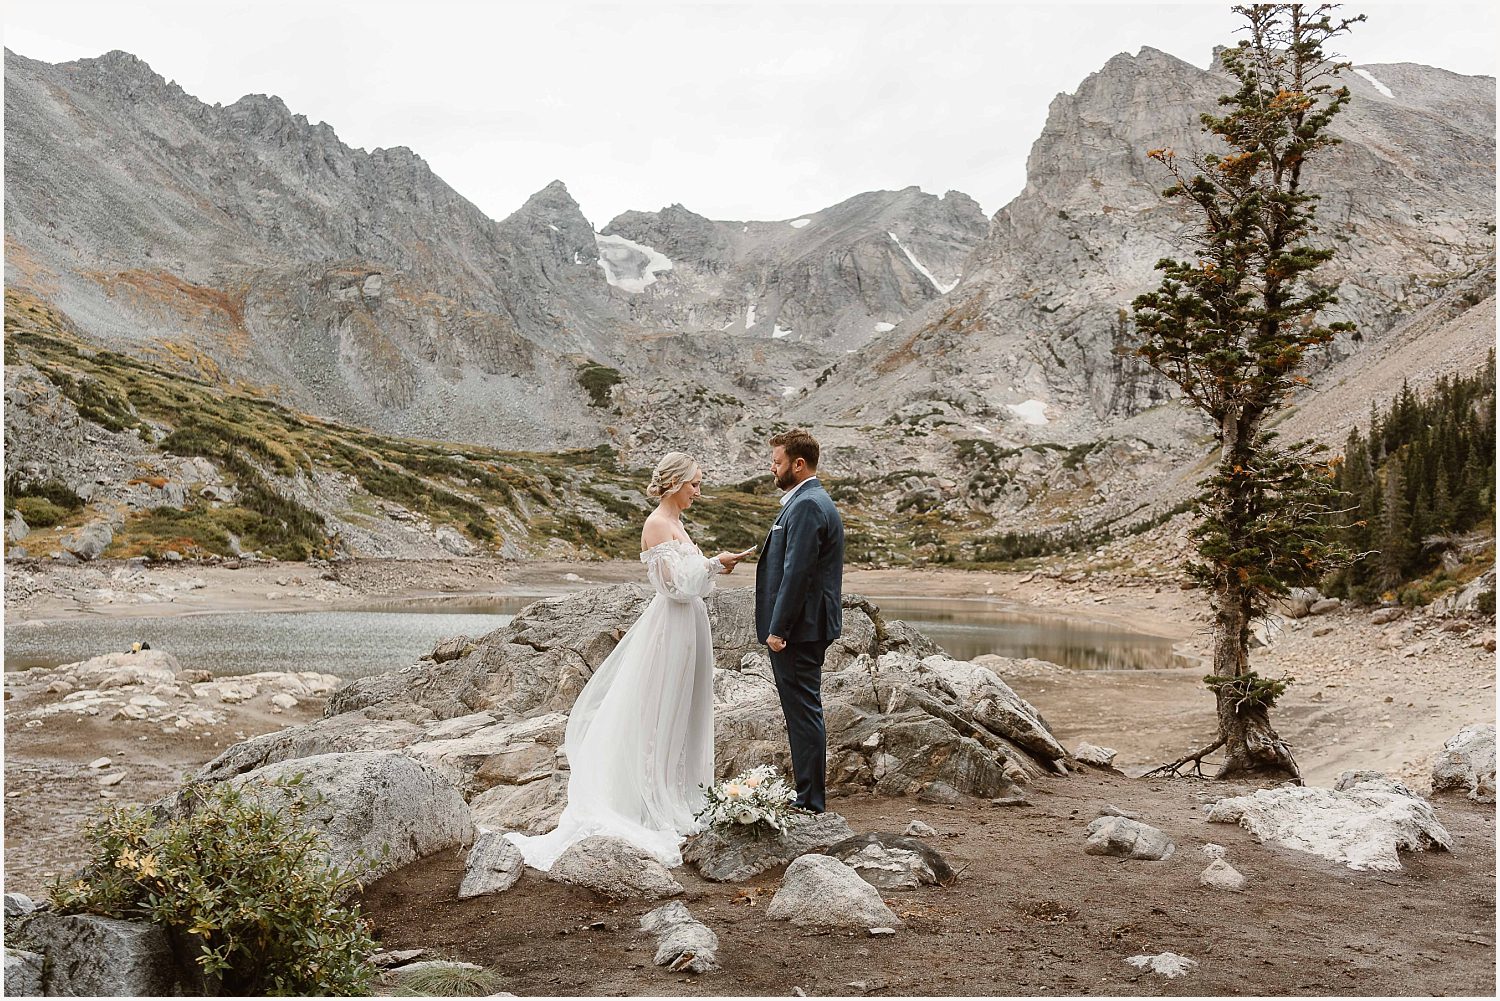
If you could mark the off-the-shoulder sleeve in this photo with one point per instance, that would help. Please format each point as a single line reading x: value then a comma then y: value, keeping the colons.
x: 679, y: 573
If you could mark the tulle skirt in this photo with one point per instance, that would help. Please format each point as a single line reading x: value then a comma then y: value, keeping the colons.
x: 640, y: 740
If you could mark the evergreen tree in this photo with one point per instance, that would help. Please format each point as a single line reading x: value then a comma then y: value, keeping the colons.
x: 1231, y: 327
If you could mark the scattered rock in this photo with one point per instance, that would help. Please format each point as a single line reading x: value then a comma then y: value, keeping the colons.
x: 881, y: 932
x: 1110, y: 810
x: 1381, y: 616
x: 1324, y: 606
x: 100, y: 763
x: 820, y: 890
x: 682, y: 942
x: 1213, y: 851
x: 1467, y: 763
x: 92, y: 956
x: 736, y: 854
x: 1322, y: 630
x: 1220, y: 875
x: 1166, y: 964
x: 1125, y: 838
x: 919, y: 829
x: 89, y: 541
x: 18, y: 905
x: 112, y: 779
x: 614, y: 868
x: 493, y: 866
x: 1099, y: 757
x: 396, y: 957
x: 1362, y: 827
x: 281, y: 700
x: 892, y: 862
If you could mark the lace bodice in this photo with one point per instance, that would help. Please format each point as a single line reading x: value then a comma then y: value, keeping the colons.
x: 679, y: 570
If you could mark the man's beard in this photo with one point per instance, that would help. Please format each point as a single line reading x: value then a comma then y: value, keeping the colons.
x: 785, y: 481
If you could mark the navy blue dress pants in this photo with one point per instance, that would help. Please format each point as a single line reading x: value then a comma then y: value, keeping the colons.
x: 799, y: 681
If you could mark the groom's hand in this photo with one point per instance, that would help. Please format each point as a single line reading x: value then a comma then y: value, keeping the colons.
x: 776, y: 643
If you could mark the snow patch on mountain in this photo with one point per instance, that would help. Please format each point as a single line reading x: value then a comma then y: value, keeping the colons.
x: 1384, y: 90
x: 799, y: 223
x: 920, y: 267
x: 629, y: 265
x: 780, y: 332
x: 883, y: 327
x: 1032, y: 411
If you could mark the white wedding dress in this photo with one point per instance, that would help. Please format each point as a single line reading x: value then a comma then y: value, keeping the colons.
x: 640, y: 738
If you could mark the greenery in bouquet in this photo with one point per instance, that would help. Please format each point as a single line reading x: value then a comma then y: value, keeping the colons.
x: 759, y: 799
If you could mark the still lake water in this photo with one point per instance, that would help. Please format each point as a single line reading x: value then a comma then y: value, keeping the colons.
x: 353, y: 644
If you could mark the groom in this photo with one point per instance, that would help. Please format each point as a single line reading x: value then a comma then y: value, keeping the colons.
x: 799, y: 582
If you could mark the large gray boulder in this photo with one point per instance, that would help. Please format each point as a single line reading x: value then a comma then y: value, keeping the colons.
x: 683, y: 943
x: 733, y: 854
x: 1126, y: 838
x: 493, y: 866
x: 23, y: 973
x: 92, y: 956
x: 1467, y: 763
x: 614, y: 868
x: 90, y: 541
x: 373, y: 811
x: 821, y: 890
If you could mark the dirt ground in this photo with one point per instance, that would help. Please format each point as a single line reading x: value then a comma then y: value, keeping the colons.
x: 1030, y: 914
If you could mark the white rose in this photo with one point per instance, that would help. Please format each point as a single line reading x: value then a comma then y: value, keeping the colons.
x: 745, y: 816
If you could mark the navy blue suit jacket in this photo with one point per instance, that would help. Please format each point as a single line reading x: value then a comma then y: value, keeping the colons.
x: 799, y: 580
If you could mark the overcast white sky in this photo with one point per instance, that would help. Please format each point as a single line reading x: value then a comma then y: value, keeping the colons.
x: 737, y: 111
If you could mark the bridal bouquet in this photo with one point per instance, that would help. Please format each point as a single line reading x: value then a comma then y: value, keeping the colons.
x: 758, y: 796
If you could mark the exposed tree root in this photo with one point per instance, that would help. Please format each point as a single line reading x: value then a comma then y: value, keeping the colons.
x: 1174, y: 770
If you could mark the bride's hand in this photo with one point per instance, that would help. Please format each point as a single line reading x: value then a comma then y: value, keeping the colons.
x: 728, y: 560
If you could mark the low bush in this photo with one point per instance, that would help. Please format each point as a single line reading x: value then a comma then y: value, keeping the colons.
x: 39, y: 512
x: 239, y: 886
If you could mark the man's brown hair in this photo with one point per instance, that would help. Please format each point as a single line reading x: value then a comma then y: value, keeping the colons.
x: 798, y: 444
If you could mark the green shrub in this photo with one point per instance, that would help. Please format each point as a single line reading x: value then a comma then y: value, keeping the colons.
x: 39, y: 512
x: 597, y: 381
x: 240, y: 887
x: 55, y: 491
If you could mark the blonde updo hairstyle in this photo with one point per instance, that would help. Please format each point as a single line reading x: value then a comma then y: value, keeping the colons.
x: 674, y: 469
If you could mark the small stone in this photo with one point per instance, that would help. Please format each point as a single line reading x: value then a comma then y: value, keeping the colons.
x: 878, y: 932
x: 32, y: 724
x: 1110, y: 810
x: 1099, y: 757
x: 918, y: 829
x: 1213, y: 851
x: 1125, y: 838
x: 493, y: 866
x: 100, y: 763
x: 112, y: 779
x: 1322, y: 630
x: 282, y: 700
x: 1383, y: 615
x: 1220, y: 875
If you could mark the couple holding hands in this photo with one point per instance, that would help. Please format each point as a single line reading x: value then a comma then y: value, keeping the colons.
x: 640, y: 737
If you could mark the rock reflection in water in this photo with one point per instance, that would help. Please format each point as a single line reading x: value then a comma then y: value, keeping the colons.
x: 967, y: 628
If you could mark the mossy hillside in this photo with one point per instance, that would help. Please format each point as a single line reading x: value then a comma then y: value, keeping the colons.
x: 584, y: 497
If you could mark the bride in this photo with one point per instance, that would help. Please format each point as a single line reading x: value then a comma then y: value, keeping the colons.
x: 640, y: 738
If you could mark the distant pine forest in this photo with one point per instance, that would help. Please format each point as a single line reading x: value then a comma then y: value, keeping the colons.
x: 1419, y: 493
